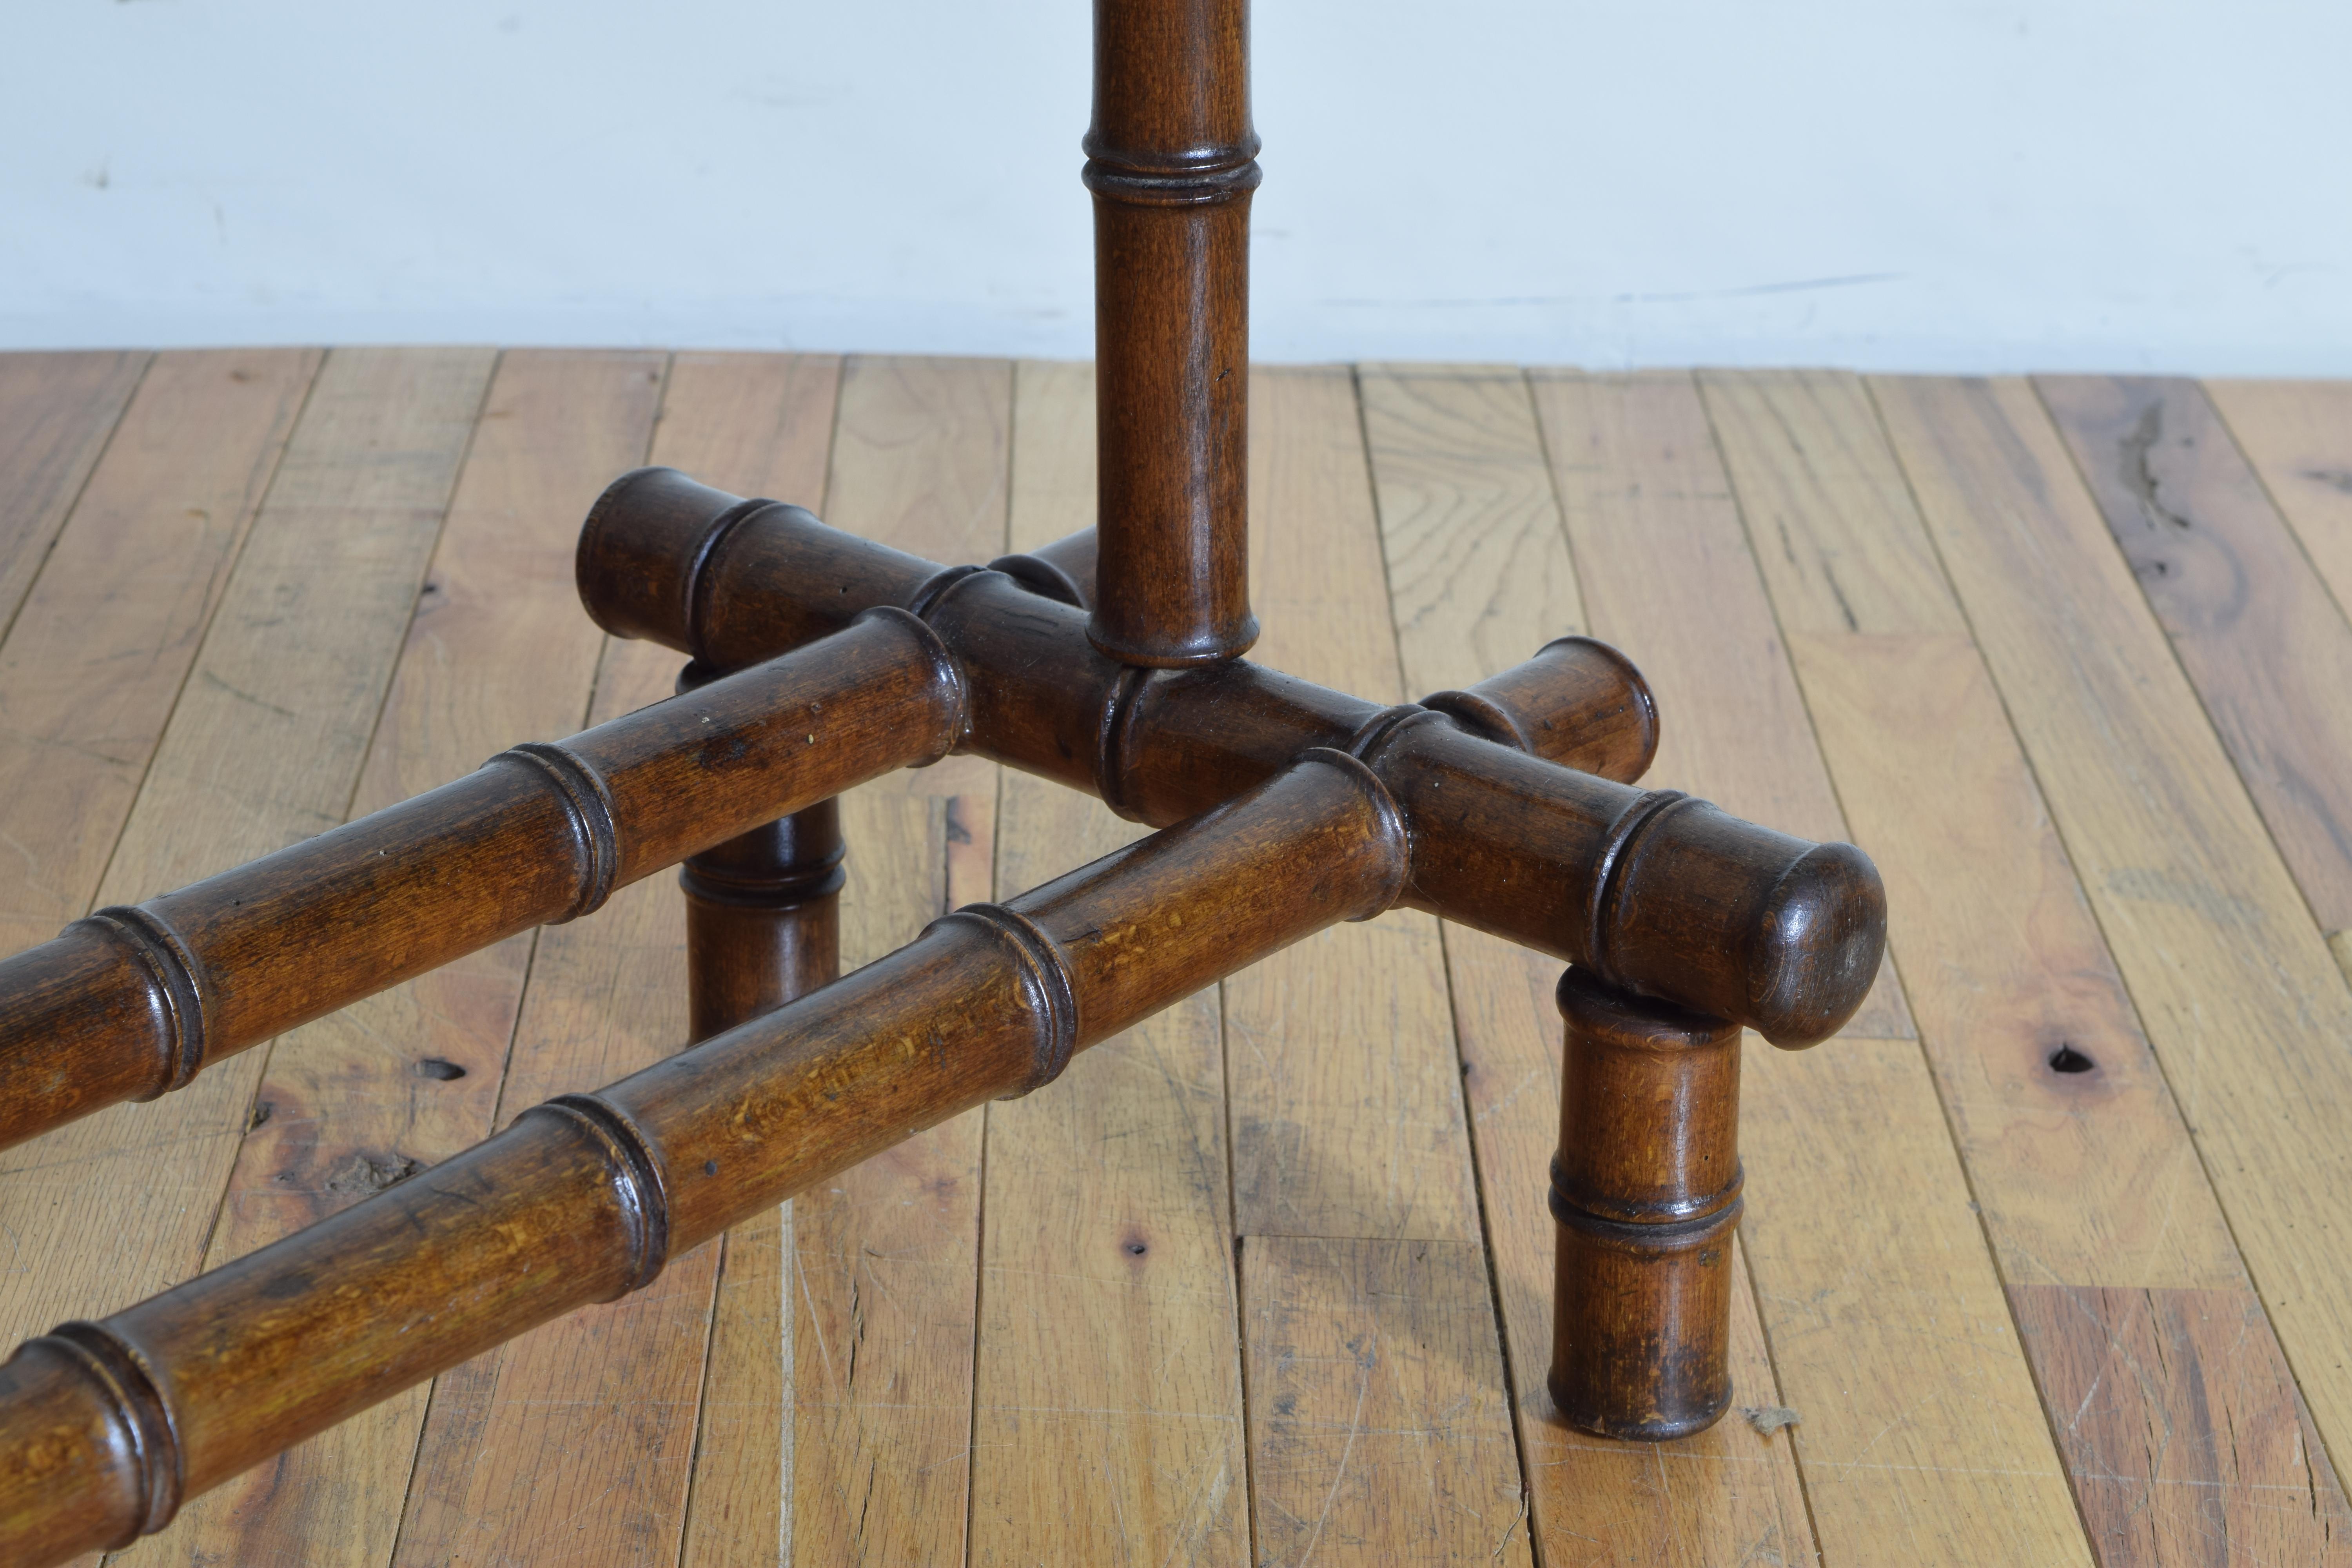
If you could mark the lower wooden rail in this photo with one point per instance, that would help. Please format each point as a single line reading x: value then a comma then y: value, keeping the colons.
x: 133, y: 1002
x: 1519, y: 790
x: 107, y: 1427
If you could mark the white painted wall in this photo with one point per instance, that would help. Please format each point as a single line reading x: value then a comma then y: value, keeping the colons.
x: 1929, y: 184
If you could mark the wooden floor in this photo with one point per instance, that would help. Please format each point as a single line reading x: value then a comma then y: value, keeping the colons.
x: 2051, y: 1253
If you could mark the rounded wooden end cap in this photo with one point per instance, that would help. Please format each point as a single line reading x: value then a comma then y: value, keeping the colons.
x: 1817, y: 947
x: 639, y: 551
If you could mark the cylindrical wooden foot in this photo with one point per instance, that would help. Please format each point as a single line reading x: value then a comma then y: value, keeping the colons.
x: 1645, y: 1193
x: 762, y: 913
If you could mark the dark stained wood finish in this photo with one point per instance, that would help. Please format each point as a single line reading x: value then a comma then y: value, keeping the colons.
x: 105, y: 1428
x: 762, y: 913
x: 134, y: 1001
x: 1171, y: 160
x: 762, y: 919
x: 1063, y: 571
x: 1645, y: 1197
x: 1107, y: 662
x: 1659, y: 893
x: 496, y: 651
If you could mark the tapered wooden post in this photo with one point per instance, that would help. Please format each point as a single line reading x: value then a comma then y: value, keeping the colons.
x: 1645, y: 1196
x: 1171, y: 160
x: 762, y: 913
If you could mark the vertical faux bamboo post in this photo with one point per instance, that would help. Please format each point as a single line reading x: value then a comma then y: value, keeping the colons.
x: 762, y: 913
x: 1171, y: 163
x: 1645, y: 1196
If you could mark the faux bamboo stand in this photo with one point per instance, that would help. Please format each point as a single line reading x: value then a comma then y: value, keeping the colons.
x: 1112, y: 662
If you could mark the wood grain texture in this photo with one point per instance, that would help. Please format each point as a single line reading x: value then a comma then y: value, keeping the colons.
x: 918, y: 456
x: 1108, y: 1424
x: 1379, y: 1428
x: 1479, y: 572
x: 1346, y: 1106
x: 56, y: 413
x: 2239, y: 995
x: 2298, y: 436
x: 1832, y: 1136
x: 1921, y: 1437
x: 887, y: 1252
x: 1728, y: 1495
x: 2266, y: 647
x: 886, y: 1266
x: 736, y: 1506
x: 2087, y: 1178
x: 1822, y: 498
x: 2183, y: 1394
x: 104, y: 638
x: 496, y: 650
x: 263, y: 748
x: 1053, y: 479
x: 1107, y: 1402
x: 1347, y: 1099
x: 573, y: 1443
x: 1660, y: 553
x: 760, y: 424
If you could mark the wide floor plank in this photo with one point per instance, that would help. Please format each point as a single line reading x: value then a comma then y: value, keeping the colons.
x: 1480, y: 576
x: 1921, y: 1438
x: 887, y: 1252
x: 1378, y: 1429
x: 1347, y: 1096
x: 756, y: 424
x: 2298, y: 436
x: 2090, y: 1187
x: 263, y: 749
x: 1478, y: 570
x: 1350, y: 1148
x: 574, y: 1444
x: 1107, y: 1401
x: 103, y: 643
x: 497, y: 651
x: 2259, y: 636
x: 2232, y: 984
x: 58, y: 411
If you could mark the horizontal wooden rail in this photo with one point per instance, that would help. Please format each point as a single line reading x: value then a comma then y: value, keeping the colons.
x: 106, y: 1428
x: 133, y: 1002
x: 1521, y: 824
x: 732, y: 582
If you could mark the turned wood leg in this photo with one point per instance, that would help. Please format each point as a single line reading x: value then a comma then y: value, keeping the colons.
x: 1645, y: 1195
x: 763, y: 914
